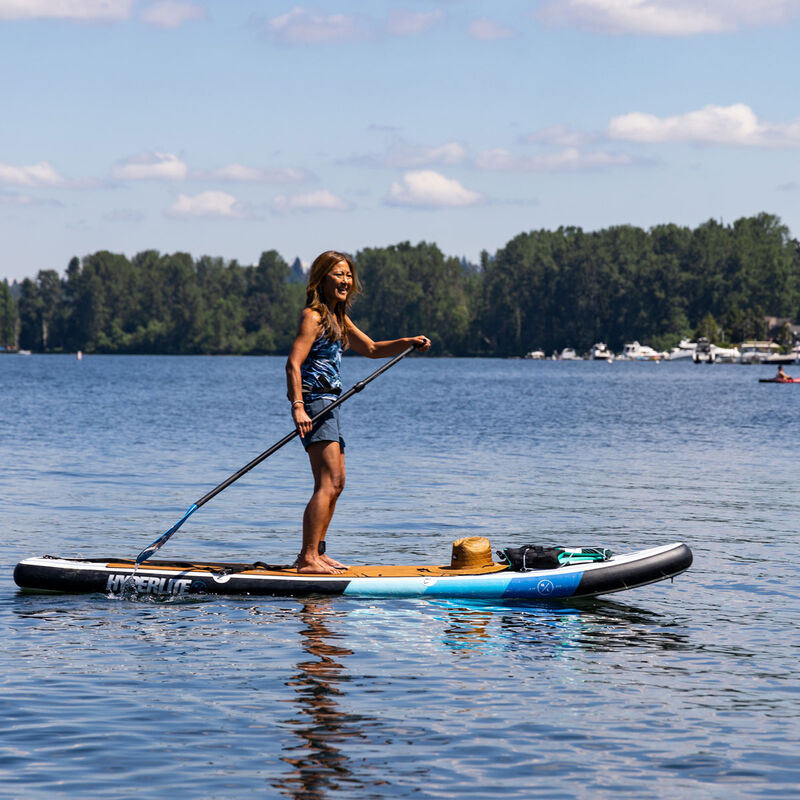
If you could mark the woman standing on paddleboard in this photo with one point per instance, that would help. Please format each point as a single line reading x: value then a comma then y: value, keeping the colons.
x: 313, y: 382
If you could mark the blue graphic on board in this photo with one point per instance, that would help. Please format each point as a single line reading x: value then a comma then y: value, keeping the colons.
x: 501, y: 585
x: 320, y: 370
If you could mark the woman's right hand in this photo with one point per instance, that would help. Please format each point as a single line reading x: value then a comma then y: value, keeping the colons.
x: 301, y: 420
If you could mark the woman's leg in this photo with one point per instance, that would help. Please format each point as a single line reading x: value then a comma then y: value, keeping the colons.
x: 327, y: 466
x: 339, y: 482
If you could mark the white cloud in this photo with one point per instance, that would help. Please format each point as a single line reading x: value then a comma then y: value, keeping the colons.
x: 410, y: 23
x: 303, y: 26
x: 300, y: 26
x: 666, y: 17
x: 20, y: 199
x: 81, y: 10
x: 238, y: 172
x: 487, y: 30
x: 429, y: 189
x: 168, y: 166
x: 402, y: 155
x: 207, y: 204
x: 632, y: 16
x: 150, y: 166
x: 570, y: 159
x: 449, y: 153
x: 560, y: 136
x: 41, y: 174
x: 321, y: 200
x: 172, y: 13
x: 732, y: 125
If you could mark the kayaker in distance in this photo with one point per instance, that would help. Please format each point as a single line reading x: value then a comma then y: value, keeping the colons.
x: 313, y: 381
x: 782, y: 376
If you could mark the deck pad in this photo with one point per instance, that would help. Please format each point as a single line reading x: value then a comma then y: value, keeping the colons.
x: 361, y: 571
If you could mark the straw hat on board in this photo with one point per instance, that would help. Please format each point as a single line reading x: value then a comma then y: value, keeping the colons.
x: 471, y: 552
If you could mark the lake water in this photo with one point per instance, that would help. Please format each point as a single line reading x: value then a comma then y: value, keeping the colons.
x: 675, y: 690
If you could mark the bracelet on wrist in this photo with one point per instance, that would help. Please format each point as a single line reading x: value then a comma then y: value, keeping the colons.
x: 297, y: 403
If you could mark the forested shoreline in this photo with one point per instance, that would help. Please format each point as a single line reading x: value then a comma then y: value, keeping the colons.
x: 543, y: 289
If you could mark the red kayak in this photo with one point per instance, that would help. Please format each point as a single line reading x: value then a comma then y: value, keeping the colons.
x: 779, y: 380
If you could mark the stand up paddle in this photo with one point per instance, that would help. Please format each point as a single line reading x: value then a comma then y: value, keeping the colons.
x: 162, y: 540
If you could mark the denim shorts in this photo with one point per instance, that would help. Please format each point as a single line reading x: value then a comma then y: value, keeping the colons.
x: 326, y: 429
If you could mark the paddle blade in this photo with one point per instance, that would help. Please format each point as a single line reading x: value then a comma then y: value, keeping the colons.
x: 162, y: 540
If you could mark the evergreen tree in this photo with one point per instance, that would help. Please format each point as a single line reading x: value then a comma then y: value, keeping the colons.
x: 8, y: 317
x: 547, y: 289
x: 29, y: 308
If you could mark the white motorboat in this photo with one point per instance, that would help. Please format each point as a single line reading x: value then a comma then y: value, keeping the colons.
x: 600, y: 352
x: 702, y: 353
x: 568, y: 354
x: 685, y: 349
x: 725, y: 355
x: 537, y: 355
x: 792, y: 357
x: 639, y: 352
x: 757, y: 352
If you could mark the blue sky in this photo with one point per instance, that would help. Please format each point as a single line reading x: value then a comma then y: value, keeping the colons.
x: 229, y: 128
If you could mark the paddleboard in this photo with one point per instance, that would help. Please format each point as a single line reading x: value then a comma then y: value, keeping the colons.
x: 495, y: 581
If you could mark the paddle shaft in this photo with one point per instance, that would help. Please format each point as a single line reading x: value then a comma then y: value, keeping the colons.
x: 148, y: 552
x: 289, y: 436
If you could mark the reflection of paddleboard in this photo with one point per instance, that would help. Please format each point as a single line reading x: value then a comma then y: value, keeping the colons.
x: 779, y: 380
x: 495, y: 581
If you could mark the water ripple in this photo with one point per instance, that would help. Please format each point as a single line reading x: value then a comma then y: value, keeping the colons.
x: 683, y: 689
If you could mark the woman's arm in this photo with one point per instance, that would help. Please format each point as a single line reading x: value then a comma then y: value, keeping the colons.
x: 307, y: 332
x: 365, y: 346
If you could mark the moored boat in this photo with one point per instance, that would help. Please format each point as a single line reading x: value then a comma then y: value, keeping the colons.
x: 725, y: 355
x: 754, y: 352
x: 600, y: 352
x: 684, y: 349
x: 790, y: 357
x: 639, y: 352
x: 702, y: 352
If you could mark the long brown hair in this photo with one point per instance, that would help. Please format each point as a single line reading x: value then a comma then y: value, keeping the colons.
x: 333, y: 324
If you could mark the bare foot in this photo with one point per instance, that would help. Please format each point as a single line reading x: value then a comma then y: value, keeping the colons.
x: 315, y: 566
x: 332, y: 562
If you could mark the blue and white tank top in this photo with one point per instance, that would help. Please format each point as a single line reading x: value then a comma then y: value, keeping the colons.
x: 320, y: 371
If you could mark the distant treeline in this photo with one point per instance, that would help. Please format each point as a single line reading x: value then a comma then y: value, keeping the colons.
x: 544, y: 289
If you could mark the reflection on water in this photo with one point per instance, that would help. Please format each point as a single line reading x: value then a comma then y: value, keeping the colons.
x: 322, y: 726
x: 330, y: 728
x: 467, y: 631
x: 476, y: 627
x: 384, y: 696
